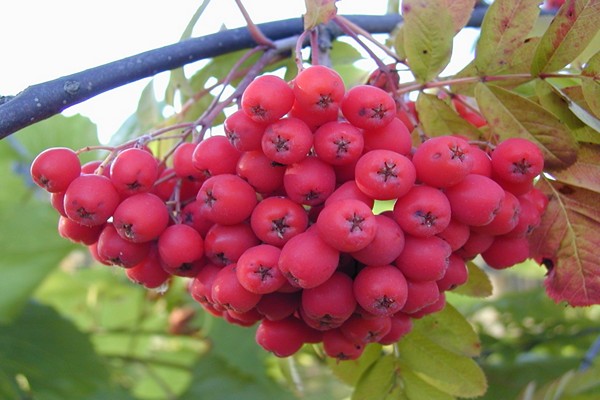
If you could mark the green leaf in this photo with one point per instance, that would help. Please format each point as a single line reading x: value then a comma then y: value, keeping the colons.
x: 572, y: 385
x: 379, y: 380
x: 350, y: 371
x: 449, y: 329
x: 572, y: 29
x: 504, y: 30
x: 75, y: 132
x: 568, y: 242
x: 318, y: 12
x: 214, y: 378
x: 56, y: 359
x: 417, y: 389
x: 31, y: 248
x: 446, y: 371
x: 438, y: 118
x: 510, y: 115
x: 428, y: 36
x: 460, y: 11
x: 478, y: 285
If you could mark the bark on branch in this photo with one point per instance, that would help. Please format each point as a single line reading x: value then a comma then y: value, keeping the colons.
x: 44, y: 100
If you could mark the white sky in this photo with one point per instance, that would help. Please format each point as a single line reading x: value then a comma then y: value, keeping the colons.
x: 42, y: 40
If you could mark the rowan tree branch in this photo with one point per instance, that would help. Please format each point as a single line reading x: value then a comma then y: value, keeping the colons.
x: 43, y: 100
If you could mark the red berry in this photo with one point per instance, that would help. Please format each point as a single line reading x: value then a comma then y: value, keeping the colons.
x: 338, y: 346
x: 115, y: 250
x: 243, y: 132
x: 230, y: 294
x: 385, y: 247
x: 475, y: 200
x: 275, y: 220
x: 55, y: 168
x: 368, y: 107
x: 309, y: 182
x: 141, y: 217
x: 179, y: 247
x: 257, y: 269
x: 227, y: 198
x: 423, y: 211
x: 517, y: 160
x: 148, y: 272
x: 443, y: 161
x: 90, y: 200
x: 347, y: 225
x: 215, y: 156
x: 134, y: 170
x: 338, y: 143
x: 267, y: 98
x: 224, y: 244
x: 394, y: 136
x: 319, y: 89
x: 381, y: 290
x: 78, y: 233
x: 384, y: 174
x: 331, y: 303
x: 424, y: 259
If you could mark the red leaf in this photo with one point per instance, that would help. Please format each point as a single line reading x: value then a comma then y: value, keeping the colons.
x: 568, y: 243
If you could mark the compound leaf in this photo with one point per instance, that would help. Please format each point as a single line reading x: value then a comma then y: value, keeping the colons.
x: 569, y: 33
x: 438, y: 118
x: 567, y: 243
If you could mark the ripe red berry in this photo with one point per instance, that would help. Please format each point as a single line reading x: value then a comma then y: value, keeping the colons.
x: 298, y: 263
x: 381, y: 290
x: 384, y: 174
x: 338, y: 143
x: 456, y: 274
x: 148, y: 272
x: 368, y: 107
x: 401, y: 324
x: 275, y: 220
x: 115, y: 250
x: 319, y: 89
x: 134, y: 170
x: 78, y: 233
x: 386, y: 246
x: 227, y: 198
x: 443, y: 161
x: 420, y: 295
x: 394, y: 136
x: 424, y: 259
x: 423, y: 211
x: 55, y: 168
x: 283, y: 337
x: 287, y: 141
x: 506, y: 251
x: 257, y: 269
x: 215, y: 156
x: 183, y: 164
x: 338, y: 346
x: 224, y: 244
x: 347, y: 225
x: 331, y: 303
x: 230, y: 294
x: 265, y: 175
x: 517, y: 160
x: 141, y: 217
x: 179, y: 246
x: 243, y: 132
x: 90, y: 200
x: 475, y: 200
x: 309, y: 182
x: 267, y: 98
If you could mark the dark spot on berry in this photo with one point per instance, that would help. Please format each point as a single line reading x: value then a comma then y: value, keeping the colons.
x: 388, y: 171
x: 379, y: 112
x: 258, y: 111
x: 210, y: 199
x: 342, y: 146
x: 457, y: 152
x: 128, y: 231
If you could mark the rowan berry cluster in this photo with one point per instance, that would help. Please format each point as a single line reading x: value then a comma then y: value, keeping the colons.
x: 274, y: 223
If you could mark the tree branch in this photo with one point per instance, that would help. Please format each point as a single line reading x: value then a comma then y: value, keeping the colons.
x: 44, y: 100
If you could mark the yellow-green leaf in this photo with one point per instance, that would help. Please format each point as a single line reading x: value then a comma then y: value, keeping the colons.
x: 446, y: 371
x: 478, y: 285
x: 510, y: 115
x: 428, y: 36
x: 318, y: 12
x: 573, y: 28
x: 504, y: 29
x: 567, y: 242
x: 417, y: 389
x: 380, y: 379
x: 450, y: 330
x: 579, y: 106
x: 438, y: 118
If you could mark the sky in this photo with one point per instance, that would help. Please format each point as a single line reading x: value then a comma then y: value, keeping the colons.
x: 43, y: 40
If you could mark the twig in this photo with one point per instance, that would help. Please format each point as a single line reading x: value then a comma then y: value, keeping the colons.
x: 590, y: 355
